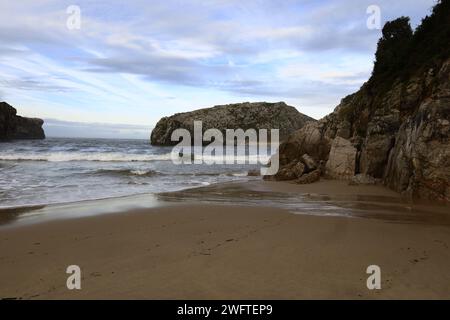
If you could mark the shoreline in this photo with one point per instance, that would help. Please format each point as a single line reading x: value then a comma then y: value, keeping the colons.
x: 323, y: 198
x: 183, y: 248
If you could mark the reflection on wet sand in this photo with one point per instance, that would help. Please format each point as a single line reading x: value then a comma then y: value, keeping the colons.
x: 325, y: 198
x: 11, y: 214
x: 37, y: 214
x: 348, y: 201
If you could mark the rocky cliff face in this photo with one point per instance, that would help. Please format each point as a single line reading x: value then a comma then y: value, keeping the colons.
x: 13, y: 126
x: 408, y: 151
x: 244, y: 116
x: 419, y: 161
x: 395, y: 129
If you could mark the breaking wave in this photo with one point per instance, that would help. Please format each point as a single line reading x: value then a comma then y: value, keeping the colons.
x: 85, y: 156
x: 127, y: 172
x: 122, y: 157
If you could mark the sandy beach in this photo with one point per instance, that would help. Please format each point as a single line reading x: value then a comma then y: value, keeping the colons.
x: 210, y: 251
x: 225, y: 150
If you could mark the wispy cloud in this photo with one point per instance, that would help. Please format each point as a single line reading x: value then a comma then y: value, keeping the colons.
x: 138, y: 61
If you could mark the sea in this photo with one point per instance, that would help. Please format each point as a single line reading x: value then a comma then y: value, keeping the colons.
x: 64, y: 170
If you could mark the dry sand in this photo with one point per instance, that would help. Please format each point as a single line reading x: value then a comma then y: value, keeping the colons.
x: 224, y: 252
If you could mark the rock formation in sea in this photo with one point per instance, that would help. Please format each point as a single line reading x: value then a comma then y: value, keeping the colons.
x: 259, y: 115
x: 13, y: 126
x: 396, y: 128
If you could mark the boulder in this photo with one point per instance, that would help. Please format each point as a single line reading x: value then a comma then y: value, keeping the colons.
x: 311, y: 140
x: 309, y: 177
x: 341, y: 161
x: 310, y: 163
x: 298, y: 169
x: 291, y: 171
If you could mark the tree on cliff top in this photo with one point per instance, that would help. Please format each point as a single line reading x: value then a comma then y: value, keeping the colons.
x: 431, y: 41
x: 392, y: 48
x: 401, y: 52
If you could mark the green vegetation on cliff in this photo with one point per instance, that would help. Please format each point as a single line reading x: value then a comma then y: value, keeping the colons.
x: 401, y: 56
x: 402, y: 52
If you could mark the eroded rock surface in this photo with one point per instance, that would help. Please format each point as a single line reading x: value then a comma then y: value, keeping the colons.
x: 259, y: 115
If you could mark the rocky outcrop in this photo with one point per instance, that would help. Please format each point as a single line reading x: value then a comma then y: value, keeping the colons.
x: 13, y: 126
x: 419, y: 161
x: 396, y: 128
x: 304, y: 170
x: 402, y: 138
x: 312, y: 140
x: 260, y: 115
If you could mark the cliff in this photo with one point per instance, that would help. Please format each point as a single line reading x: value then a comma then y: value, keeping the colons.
x: 260, y: 115
x: 13, y: 126
x: 396, y: 128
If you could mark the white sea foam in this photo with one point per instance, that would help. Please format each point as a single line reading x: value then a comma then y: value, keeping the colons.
x: 122, y: 157
x: 84, y: 156
x: 253, y: 158
x: 142, y: 172
x: 69, y: 170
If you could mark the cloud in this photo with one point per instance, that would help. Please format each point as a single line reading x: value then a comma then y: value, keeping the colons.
x: 57, y: 128
x: 32, y: 84
x: 133, y: 57
x: 152, y: 67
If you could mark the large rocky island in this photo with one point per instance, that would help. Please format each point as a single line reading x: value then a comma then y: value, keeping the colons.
x: 259, y: 115
x: 13, y: 126
x: 396, y: 128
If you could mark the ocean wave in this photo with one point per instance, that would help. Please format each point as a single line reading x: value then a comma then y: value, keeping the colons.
x: 85, y: 156
x: 212, y: 174
x: 253, y: 158
x: 124, y: 157
x: 152, y: 173
x: 127, y: 172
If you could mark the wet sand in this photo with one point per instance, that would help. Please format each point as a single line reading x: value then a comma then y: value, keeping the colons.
x: 323, y: 198
x: 211, y: 251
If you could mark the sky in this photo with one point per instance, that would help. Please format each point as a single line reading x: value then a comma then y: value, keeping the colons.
x: 129, y: 63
